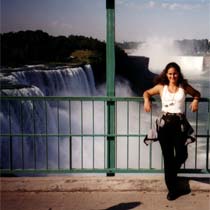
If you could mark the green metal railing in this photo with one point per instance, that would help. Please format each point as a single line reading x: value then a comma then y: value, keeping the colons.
x: 110, y: 82
x: 70, y: 134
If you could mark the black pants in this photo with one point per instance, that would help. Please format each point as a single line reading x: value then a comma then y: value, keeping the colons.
x: 173, y: 148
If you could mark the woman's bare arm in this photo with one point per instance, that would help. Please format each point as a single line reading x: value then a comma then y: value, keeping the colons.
x: 196, y: 96
x: 157, y: 89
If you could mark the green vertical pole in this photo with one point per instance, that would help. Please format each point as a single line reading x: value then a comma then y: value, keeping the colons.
x: 110, y: 85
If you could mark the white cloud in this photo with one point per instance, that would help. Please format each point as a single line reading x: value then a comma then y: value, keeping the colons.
x: 61, y: 24
x: 181, y: 6
x: 122, y: 2
x: 175, y: 5
x: 151, y: 4
x: 119, y: 2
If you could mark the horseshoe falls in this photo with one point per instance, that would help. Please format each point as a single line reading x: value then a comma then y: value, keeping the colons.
x: 190, y: 65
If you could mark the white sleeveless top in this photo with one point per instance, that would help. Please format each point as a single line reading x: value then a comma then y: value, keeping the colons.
x: 173, y: 102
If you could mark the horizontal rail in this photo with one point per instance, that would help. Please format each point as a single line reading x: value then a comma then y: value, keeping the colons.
x: 60, y: 171
x: 71, y: 135
x: 88, y: 98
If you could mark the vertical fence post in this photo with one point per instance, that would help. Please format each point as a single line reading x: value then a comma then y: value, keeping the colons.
x: 110, y: 85
x: 207, y: 142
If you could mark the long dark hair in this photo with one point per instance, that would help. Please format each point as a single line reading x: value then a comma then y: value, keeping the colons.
x: 163, y: 79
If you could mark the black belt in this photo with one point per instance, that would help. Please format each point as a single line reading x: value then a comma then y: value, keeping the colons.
x: 168, y: 117
x: 173, y: 114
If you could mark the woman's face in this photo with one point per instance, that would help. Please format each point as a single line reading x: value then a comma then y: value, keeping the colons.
x: 172, y: 75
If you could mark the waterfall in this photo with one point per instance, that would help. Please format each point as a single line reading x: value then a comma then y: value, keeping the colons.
x: 190, y: 65
x: 31, y: 81
x: 40, y: 116
x: 63, y: 81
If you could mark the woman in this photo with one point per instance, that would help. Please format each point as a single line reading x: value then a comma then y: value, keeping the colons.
x: 172, y: 88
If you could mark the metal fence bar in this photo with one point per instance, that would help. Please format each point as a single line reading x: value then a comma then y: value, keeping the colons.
x: 34, y: 131
x: 127, y: 141
x: 58, y: 135
x: 46, y: 130
x: 10, y: 138
x: 105, y: 148
x: 110, y: 83
x: 81, y: 105
x: 150, y: 146
x: 139, y: 131
x: 70, y: 138
x: 196, y: 142
x: 207, y: 142
x: 117, y: 139
x: 22, y: 140
x: 93, y: 134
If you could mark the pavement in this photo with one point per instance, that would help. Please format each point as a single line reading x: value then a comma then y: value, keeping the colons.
x: 121, y: 192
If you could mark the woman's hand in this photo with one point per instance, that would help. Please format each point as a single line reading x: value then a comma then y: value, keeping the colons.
x: 194, y: 105
x: 147, y: 105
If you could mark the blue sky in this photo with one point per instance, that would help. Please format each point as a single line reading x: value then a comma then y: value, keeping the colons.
x: 136, y: 20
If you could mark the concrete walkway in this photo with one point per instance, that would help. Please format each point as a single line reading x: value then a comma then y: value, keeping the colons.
x: 122, y: 192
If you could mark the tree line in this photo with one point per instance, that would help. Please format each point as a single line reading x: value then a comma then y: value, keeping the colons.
x: 31, y: 47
